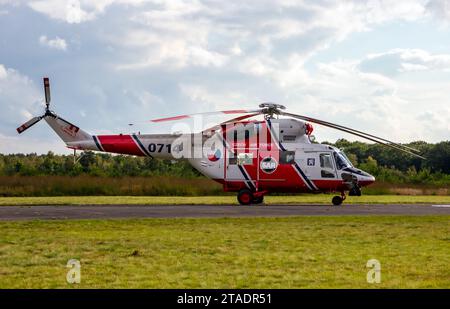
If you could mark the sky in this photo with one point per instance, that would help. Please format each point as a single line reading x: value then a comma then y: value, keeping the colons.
x: 377, y: 66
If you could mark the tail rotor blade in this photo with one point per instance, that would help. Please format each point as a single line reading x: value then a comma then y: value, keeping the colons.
x: 28, y: 124
x: 47, y: 91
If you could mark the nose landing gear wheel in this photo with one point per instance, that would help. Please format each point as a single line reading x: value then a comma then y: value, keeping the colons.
x: 245, y: 197
x: 337, y: 200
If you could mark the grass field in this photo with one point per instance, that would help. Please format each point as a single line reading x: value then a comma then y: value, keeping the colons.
x: 221, y: 200
x: 84, y: 185
x: 298, y: 252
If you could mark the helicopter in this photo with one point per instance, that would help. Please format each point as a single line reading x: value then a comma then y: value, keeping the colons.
x: 248, y: 156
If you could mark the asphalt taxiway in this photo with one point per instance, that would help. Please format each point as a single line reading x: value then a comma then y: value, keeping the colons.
x: 46, y: 212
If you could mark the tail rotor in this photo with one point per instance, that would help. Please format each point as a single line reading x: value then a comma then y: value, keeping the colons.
x: 35, y: 120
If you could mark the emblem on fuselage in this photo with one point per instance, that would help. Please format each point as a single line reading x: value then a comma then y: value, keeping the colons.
x: 268, y: 165
x: 214, y: 156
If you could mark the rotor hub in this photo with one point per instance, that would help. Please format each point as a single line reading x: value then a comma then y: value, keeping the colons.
x: 269, y: 109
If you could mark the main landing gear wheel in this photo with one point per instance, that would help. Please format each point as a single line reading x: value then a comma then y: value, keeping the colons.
x: 337, y: 200
x: 245, y: 197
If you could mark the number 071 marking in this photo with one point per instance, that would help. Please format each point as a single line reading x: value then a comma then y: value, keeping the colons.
x: 152, y: 147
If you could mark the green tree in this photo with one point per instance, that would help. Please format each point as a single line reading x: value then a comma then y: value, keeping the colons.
x: 438, y: 157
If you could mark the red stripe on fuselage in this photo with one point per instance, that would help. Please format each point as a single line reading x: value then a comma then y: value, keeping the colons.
x: 120, y: 144
x: 331, y: 185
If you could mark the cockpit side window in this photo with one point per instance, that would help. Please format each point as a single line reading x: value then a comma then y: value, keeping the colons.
x: 325, y: 161
x: 326, y: 164
x: 341, y: 161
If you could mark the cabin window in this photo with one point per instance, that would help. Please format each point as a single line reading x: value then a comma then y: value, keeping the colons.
x: 232, y: 158
x: 325, y: 161
x: 245, y: 158
x: 326, y: 174
x: 341, y: 160
x: 326, y: 164
x: 287, y: 157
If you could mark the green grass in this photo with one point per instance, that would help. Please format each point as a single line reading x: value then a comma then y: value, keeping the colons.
x: 220, y: 200
x: 296, y: 252
x: 84, y: 185
x: 161, y: 185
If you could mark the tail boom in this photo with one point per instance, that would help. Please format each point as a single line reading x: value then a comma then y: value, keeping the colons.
x: 149, y: 145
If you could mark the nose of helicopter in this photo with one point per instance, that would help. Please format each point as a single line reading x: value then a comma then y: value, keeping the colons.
x: 361, y: 177
x: 365, y: 179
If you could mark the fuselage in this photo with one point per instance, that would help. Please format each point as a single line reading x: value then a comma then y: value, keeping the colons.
x: 274, y: 155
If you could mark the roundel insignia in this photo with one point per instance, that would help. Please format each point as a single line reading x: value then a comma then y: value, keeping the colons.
x: 214, y: 156
x: 268, y: 165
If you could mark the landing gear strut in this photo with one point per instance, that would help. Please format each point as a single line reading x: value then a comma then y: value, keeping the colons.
x: 258, y: 200
x: 337, y: 200
x: 355, y: 191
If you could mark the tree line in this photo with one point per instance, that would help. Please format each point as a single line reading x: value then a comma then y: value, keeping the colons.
x: 384, y: 163
x: 390, y: 165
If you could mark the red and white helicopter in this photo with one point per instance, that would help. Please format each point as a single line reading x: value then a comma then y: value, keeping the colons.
x: 250, y: 157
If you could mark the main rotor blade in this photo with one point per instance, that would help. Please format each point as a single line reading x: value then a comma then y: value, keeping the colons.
x: 367, y: 136
x: 226, y: 112
x: 28, y: 124
x: 323, y: 122
x: 216, y: 127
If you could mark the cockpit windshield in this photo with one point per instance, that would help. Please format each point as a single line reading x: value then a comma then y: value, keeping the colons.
x: 341, y: 160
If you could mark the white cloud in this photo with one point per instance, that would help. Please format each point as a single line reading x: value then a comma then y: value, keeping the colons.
x: 439, y: 9
x: 56, y: 43
x: 175, y: 54
x: 19, y: 98
x: 169, y: 35
x: 77, y: 11
x: 2, y: 71
x: 146, y: 99
x: 202, y: 95
x: 28, y: 144
x: 405, y: 60
x: 68, y: 11
x: 395, y: 108
x: 262, y: 35
x: 265, y: 39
